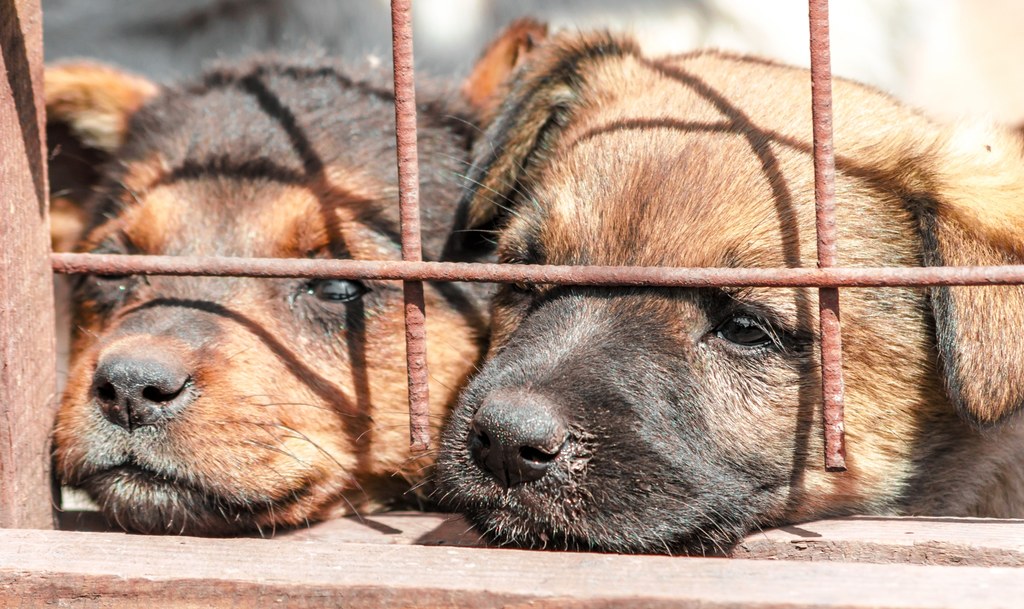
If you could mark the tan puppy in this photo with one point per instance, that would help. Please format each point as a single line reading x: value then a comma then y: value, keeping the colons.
x: 666, y: 420
x: 218, y: 405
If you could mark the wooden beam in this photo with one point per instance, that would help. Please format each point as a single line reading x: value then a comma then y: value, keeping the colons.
x: 51, y: 568
x: 919, y: 541
x: 27, y: 344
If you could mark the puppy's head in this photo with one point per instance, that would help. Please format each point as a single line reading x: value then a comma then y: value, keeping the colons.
x: 649, y: 420
x: 215, y: 405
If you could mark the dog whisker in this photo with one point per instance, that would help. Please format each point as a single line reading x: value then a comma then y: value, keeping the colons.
x: 272, y: 448
x: 511, y: 211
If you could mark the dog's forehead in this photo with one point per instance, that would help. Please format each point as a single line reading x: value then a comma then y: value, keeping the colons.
x: 341, y: 214
x: 662, y: 165
x: 279, y: 160
x: 668, y: 197
x: 698, y: 160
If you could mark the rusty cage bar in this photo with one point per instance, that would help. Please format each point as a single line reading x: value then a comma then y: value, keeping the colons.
x: 24, y: 490
x: 409, y: 202
x: 831, y: 341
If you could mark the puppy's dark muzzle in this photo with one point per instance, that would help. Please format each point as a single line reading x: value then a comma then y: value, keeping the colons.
x: 516, y: 437
x: 139, y: 389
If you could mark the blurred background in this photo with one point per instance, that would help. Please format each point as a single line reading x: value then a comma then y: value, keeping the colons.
x: 951, y: 57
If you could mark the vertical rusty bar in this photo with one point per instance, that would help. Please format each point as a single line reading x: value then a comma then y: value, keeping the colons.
x: 28, y: 377
x: 408, y: 189
x: 824, y: 198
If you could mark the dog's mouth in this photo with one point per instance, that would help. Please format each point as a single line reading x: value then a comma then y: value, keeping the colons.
x: 556, y: 522
x: 587, y: 501
x: 131, y: 477
x: 139, y: 498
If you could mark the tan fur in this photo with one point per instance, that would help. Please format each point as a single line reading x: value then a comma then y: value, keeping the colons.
x: 98, y: 98
x: 498, y: 61
x: 703, y: 160
x: 66, y: 224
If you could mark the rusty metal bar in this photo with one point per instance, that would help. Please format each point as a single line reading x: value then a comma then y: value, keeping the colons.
x: 408, y: 196
x: 824, y: 202
x: 847, y: 277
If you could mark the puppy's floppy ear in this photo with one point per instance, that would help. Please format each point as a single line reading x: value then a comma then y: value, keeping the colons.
x: 975, y: 216
x: 487, y: 83
x: 542, y: 95
x: 88, y: 109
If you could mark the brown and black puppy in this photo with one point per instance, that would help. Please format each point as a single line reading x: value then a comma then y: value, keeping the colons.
x: 677, y: 420
x: 218, y: 405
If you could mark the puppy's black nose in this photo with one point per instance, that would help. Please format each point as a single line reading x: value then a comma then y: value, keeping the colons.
x: 134, y: 390
x: 516, y: 437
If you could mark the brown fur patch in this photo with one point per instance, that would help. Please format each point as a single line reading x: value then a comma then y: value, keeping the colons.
x: 95, y: 100
x: 602, y: 156
x: 213, y: 405
x: 486, y: 84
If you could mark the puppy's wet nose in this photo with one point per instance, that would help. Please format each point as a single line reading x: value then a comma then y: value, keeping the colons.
x: 137, y: 389
x: 516, y: 437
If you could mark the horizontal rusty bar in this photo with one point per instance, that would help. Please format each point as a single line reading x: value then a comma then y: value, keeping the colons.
x: 846, y: 277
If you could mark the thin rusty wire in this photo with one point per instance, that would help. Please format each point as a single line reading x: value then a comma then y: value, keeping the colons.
x: 831, y: 342
x: 846, y: 277
x: 409, y: 209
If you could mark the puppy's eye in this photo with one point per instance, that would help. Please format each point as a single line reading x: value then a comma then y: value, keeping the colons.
x: 744, y: 330
x: 336, y: 290
x: 519, y: 287
x: 108, y: 284
x: 115, y: 247
x: 111, y: 279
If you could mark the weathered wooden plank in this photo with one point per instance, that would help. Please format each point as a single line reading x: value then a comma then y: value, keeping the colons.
x: 27, y: 361
x: 407, y: 528
x: 50, y: 568
x: 923, y: 541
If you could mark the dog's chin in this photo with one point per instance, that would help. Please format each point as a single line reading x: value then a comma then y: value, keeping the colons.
x: 590, y: 500
x: 507, y: 526
x: 141, y: 500
x: 578, y: 513
x: 546, y: 524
